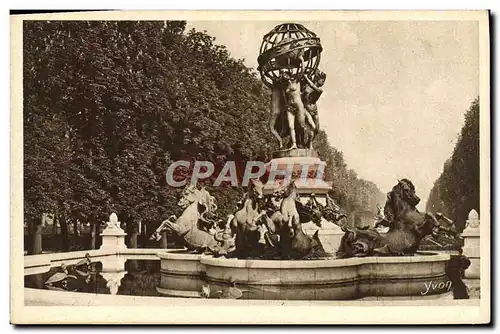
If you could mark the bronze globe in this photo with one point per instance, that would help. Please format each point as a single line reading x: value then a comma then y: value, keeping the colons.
x: 282, y: 48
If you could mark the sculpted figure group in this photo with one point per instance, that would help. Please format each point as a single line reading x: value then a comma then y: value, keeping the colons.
x: 294, y: 113
x: 271, y: 227
x: 260, y: 228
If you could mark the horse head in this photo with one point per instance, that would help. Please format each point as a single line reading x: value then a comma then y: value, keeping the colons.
x: 406, y: 191
x: 332, y: 212
x: 401, y: 198
x: 315, y: 210
x: 206, y: 206
x: 255, y: 189
x: 188, y: 196
x: 285, y: 190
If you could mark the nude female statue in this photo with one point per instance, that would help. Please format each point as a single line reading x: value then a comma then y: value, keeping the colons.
x: 276, y: 104
x: 311, y: 92
x: 286, y: 94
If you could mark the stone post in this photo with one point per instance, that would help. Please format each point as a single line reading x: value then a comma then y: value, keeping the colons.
x: 471, y: 250
x: 113, y: 237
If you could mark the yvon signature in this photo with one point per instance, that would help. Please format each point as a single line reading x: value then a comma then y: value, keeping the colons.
x: 431, y: 286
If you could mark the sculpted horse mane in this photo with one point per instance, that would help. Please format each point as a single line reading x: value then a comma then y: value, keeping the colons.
x: 207, y: 207
x: 400, y: 199
x: 407, y: 227
x: 192, y: 225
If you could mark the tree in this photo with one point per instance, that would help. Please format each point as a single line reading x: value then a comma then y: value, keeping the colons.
x: 456, y: 191
x: 47, y: 147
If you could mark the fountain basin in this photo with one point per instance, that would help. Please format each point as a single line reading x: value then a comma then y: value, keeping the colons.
x: 183, y: 274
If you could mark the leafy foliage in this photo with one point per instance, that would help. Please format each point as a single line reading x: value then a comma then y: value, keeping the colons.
x: 456, y: 191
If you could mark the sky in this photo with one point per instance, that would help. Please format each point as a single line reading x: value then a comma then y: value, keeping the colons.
x: 396, y: 91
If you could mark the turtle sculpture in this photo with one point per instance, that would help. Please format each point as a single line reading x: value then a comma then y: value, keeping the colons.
x: 59, y: 280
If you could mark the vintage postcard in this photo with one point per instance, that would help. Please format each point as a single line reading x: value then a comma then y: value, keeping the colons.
x: 250, y: 167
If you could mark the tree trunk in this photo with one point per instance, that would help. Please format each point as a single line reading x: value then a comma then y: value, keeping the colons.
x: 163, y: 240
x: 54, y: 225
x: 133, y: 235
x: 75, y: 227
x: 37, y: 237
x: 93, y: 233
x: 133, y: 266
x: 351, y: 220
x: 76, y: 234
x: 139, y: 232
x: 64, y: 233
x: 29, y: 239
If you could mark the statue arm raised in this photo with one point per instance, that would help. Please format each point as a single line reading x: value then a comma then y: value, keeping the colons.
x: 311, y: 83
x: 301, y: 72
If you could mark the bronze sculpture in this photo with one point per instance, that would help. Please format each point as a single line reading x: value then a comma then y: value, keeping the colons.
x: 283, y: 214
x: 407, y: 227
x: 285, y: 238
x: 311, y: 92
x: 243, y: 224
x: 193, y: 225
x: 288, y: 62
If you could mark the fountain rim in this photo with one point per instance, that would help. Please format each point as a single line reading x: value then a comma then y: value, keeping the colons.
x: 298, y: 264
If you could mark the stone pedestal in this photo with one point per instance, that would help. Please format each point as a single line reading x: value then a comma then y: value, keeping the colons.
x: 113, y: 240
x: 471, y: 250
x: 113, y: 237
x: 329, y: 234
x: 302, y: 165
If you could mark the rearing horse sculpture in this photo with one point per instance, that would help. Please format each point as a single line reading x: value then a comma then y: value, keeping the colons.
x: 288, y: 207
x: 285, y: 227
x: 197, y: 204
x: 332, y: 212
x: 244, y: 221
x: 407, y: 227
